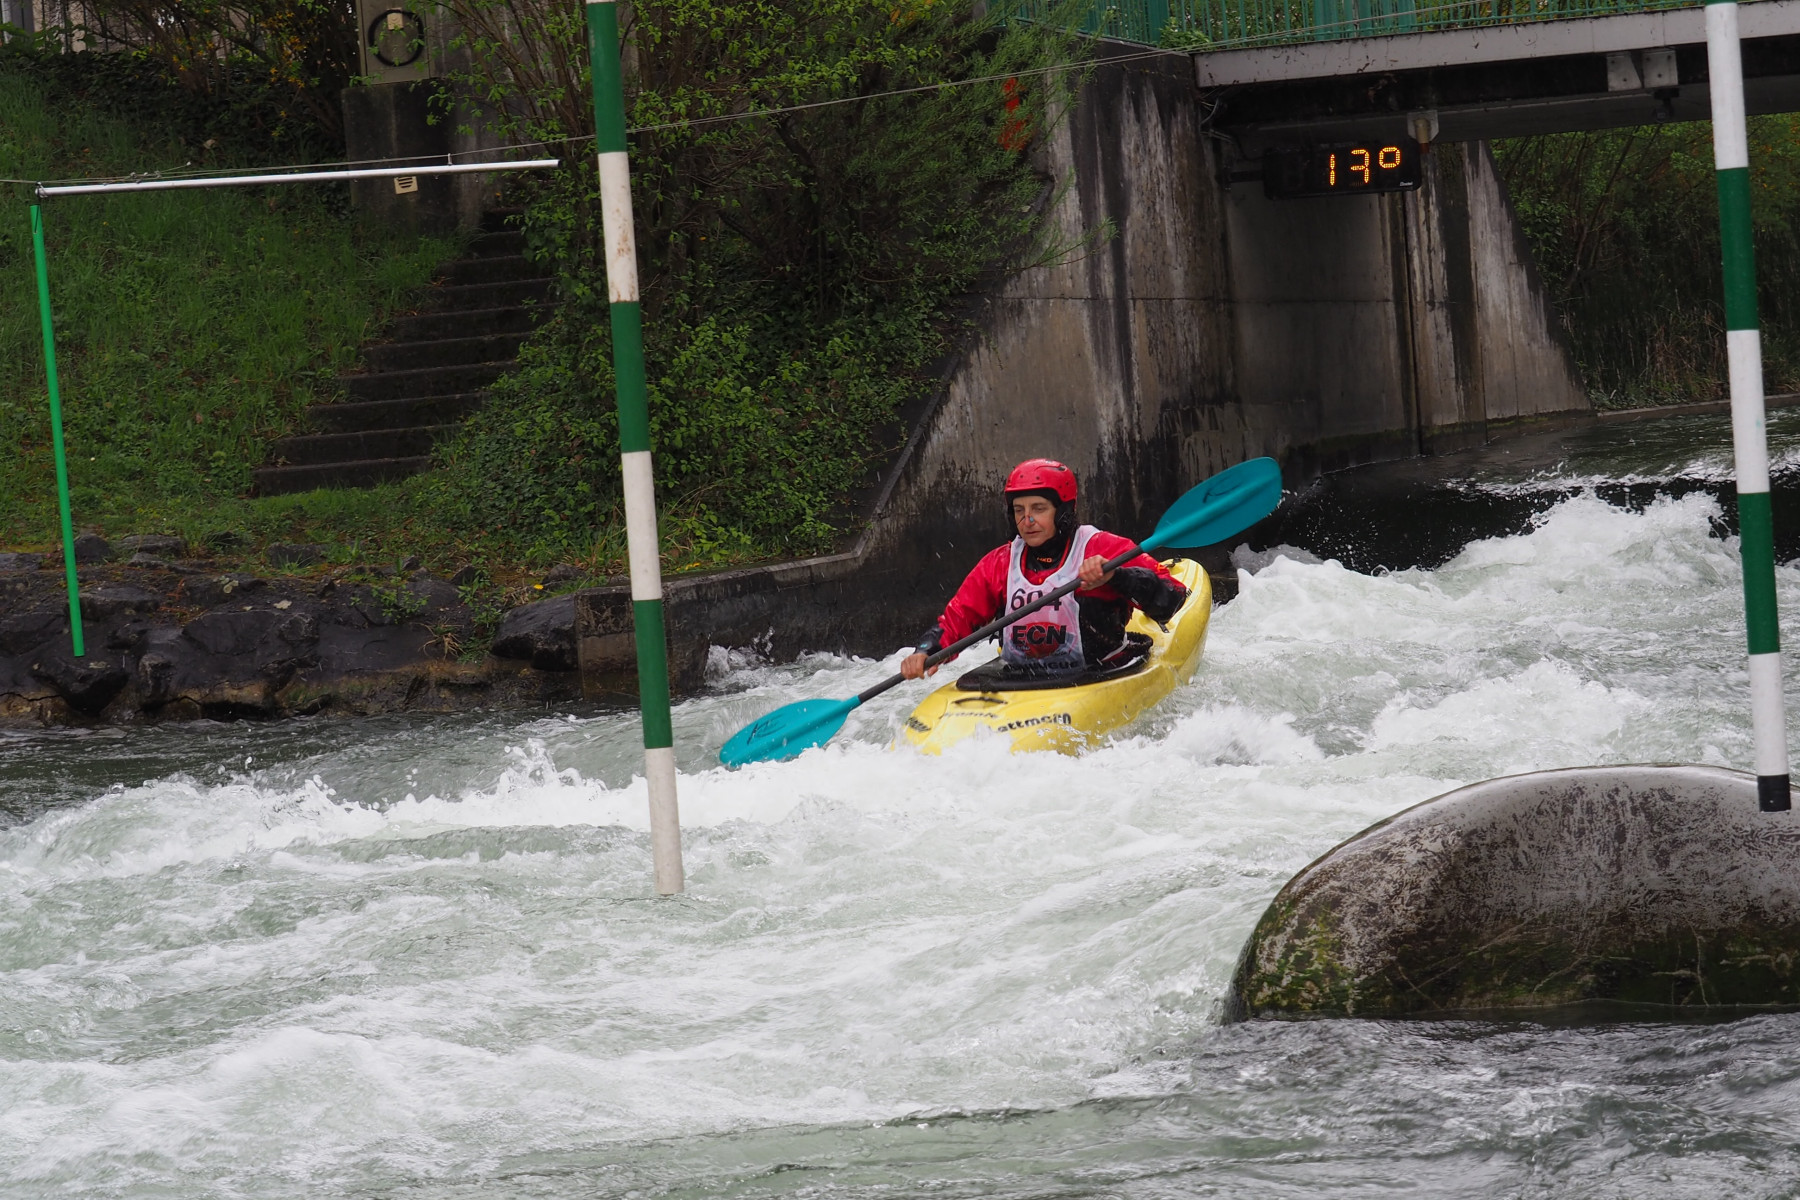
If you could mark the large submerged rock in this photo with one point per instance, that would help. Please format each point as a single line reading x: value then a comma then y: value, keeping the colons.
x: 1648, y: 885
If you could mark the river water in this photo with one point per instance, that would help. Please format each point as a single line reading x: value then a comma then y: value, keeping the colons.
x: 416, y: 957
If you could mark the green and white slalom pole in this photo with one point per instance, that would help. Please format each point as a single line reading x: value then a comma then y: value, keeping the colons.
x: 634, y: 442
x: 1749, y: 432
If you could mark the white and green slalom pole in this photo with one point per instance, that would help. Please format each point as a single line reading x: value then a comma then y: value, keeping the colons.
x: 1749, y: 432
x: 634, y: 442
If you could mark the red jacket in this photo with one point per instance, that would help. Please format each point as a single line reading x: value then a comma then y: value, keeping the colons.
x: 982, y: 594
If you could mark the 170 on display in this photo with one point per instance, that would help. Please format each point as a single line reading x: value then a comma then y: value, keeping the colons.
x: 1349, y: 168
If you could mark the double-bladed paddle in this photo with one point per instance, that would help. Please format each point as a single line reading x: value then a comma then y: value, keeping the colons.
x: 1224, y: 506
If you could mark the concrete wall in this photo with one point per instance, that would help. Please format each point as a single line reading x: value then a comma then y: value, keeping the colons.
x: 1117, y: 359
x: 1216, y: 325
x: 395, y: 121
x: 1219, y: 324
x: 1527, y: 367
x: 1486, y: 346
x: 1322, y: 357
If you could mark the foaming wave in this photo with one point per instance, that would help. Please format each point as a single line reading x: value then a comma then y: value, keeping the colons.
x: 1226, y: 735
x: 1556, y: 647
x: 1584, y: 539
x: 141, y: 830
x: 332, y: 982
x: 1545, y: 713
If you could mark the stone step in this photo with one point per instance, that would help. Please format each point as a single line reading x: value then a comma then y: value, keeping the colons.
x: 443, y: 352
x: 504, y: 268
x: 432, y: 371
x: 318, y: 449
x: 282, y: 481
x: 424, y: 381
x: 455, y: 297
x: 506, y: 243
x: 467, y: 322
x: 500, y: 220
x: 369, y: 415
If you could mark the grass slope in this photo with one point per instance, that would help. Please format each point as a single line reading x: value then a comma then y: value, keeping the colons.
x: 192, y: 328
x: 802, y: 278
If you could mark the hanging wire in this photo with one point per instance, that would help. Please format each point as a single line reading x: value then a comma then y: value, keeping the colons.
x: 274, y: 174
x: 925, y: 87
x: 1288, y: 36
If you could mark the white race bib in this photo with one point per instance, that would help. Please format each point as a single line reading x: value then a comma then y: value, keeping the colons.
x: 1050, y: 638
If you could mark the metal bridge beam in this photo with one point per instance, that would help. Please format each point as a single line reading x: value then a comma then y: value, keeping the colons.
x: 1493, y: 81
x: 1484, y: 44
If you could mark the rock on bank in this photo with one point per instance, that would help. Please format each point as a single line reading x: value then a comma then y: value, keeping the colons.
x: 1648, y: 885
x: 180, y: 641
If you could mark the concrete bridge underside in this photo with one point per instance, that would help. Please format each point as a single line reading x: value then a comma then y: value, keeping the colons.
x: 1496, y: 81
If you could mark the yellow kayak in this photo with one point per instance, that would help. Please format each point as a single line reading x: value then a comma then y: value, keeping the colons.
x: 1068, y: 719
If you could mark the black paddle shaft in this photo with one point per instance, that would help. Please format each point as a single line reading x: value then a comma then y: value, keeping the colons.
x: 997, y: 624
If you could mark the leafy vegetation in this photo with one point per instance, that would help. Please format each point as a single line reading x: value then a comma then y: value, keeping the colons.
x: 1624, y: 225
x: 248, y: 70
x: 799, y: 269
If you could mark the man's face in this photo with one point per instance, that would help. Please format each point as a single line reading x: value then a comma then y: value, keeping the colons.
x: 1035, y: 518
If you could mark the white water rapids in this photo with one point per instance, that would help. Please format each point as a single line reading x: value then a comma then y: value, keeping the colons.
x: 417, y: 958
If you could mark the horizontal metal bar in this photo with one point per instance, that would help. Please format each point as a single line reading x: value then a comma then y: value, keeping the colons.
x: 164, y: 185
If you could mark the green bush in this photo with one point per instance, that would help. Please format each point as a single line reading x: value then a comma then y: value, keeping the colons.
x: 1624, y: 225
x: 800, y: 271
x: 211, y: 97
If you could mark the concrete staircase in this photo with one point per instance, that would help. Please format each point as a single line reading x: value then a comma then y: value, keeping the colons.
x: 432, y: 369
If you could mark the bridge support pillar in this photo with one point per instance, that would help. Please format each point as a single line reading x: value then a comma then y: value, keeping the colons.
x: 1380, y: 327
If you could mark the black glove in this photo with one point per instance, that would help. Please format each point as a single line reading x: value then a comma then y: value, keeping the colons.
x: 1158, y: 597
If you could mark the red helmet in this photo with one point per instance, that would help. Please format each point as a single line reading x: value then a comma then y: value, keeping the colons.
x: 1042, y: 474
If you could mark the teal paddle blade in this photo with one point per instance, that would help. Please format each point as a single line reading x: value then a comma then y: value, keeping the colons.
x: 787, y: 731
x: 1222, y: 507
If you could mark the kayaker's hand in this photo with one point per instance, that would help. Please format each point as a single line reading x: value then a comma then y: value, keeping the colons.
x: 1093, y: 572
x: 913, y: 666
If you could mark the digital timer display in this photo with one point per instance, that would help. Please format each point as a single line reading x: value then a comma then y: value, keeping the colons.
x: 1345, y: 169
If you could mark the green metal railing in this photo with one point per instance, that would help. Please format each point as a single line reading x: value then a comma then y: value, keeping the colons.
x: 1232, y: 24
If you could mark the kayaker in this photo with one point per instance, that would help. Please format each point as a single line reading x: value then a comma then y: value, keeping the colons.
x: 1082, y: 630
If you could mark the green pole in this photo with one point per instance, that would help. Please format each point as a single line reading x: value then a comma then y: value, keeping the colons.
x: 1749, y: 432
x: 56, y: 431
x: 634, y: 442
